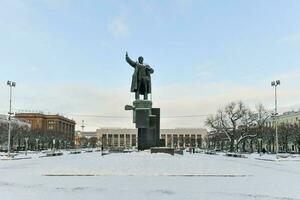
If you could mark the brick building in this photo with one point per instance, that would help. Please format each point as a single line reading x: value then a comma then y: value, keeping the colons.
x: 56, y: 126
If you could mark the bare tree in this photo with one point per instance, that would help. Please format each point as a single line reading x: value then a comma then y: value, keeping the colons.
x: 227, y: 120
x: 253, y: 124
x: 246, y: 125
x: 262, y: 116
x: 238, y: 123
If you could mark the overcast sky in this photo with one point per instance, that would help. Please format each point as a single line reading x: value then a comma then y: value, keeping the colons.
x: 68, y: 56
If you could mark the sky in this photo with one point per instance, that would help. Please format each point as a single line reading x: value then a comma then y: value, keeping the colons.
x: 68, y: 56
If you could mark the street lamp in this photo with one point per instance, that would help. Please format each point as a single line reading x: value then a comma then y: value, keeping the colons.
x: 26, y: 145
x: 10, y: 84
x: 37, y: 143
x: 53, y: 144
x: 275, y: 84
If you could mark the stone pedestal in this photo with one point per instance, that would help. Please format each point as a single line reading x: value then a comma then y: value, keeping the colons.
x: 167, y: 150
x: 141, y: 106
x: 147, y: 121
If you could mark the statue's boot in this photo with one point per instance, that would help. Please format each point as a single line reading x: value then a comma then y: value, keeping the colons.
x: 137, y: 96
x: 146, y: 96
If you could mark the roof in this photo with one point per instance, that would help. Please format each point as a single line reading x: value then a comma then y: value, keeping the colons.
x: 192, y: 131
x: 45, y: 116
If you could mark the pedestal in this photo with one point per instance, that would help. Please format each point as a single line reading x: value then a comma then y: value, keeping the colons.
x: 147, y: 121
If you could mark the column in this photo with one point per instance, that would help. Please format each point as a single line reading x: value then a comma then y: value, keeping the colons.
x: 130, y: 140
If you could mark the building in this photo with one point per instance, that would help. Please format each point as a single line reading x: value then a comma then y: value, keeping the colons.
x: 117, y: 137
x: 178, y: 137
x: 288, y: 132
x: 288, y: 125
x: 85, y: 139
x: 55, y: 126
x: 86, y: 134
x: 19, y: 128
x: 291, y: 117
x: 183, y: 137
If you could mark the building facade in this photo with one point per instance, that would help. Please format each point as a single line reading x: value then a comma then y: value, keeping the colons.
x: 117, y: 137
x: 288, y: 125
x: 127, y: 138
x: 54, y: 126
x: 291, y: 117
x: 85, y: 139
x: 183, y: 137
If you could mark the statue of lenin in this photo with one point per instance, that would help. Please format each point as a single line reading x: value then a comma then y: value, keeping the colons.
x: 141, y: 79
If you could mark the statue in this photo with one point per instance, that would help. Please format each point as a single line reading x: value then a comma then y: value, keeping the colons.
x: 145, y: 117
x: 141, y: 79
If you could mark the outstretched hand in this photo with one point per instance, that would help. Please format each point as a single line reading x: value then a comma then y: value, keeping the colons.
x: 126, y: 53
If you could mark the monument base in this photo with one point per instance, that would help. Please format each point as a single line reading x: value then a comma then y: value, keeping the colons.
x: 147, y: 121
x: 167, y: 150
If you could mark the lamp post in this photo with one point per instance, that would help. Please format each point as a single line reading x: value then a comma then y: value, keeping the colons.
x: 275, y: 84
x: 26, y: 146
x: 10, y: 84
x: 53, y: 144
x: 37, y: 143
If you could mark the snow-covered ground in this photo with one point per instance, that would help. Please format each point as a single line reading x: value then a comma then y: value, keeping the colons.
x: 141, y: 175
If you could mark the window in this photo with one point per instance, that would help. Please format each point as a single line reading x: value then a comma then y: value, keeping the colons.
x: 51, y: 124
x: 133, y: 140
x: 122, y: 141
x: 116, y: 140
x: 127, y: 140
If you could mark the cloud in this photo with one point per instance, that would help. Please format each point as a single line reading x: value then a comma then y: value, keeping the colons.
x: 100, y: 106
x: 75, y: 101
x: 198, y: 98
x: 204, y: 70
x: 118, y: 27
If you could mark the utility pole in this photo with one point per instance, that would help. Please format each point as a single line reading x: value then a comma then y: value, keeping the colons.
x: 26, y: 146
x: 37, y: 143
x: 275, y: 84
x: 10, y: 84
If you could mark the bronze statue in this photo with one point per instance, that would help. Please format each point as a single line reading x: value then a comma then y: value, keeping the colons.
x: 145, y: 117
x: 141, y: 79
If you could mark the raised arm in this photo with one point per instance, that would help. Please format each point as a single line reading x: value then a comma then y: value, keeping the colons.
x: 129, y: 61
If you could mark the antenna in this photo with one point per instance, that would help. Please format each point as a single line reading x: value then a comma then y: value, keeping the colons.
x: 82, y: 125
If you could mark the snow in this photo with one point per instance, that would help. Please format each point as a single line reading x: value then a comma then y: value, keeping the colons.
x: 141, y: 175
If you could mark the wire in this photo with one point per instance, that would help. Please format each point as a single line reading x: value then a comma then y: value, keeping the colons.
x: 128, y: 117
x: 185, y: 116
x: 97, y: 116
x: 124, y: 117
